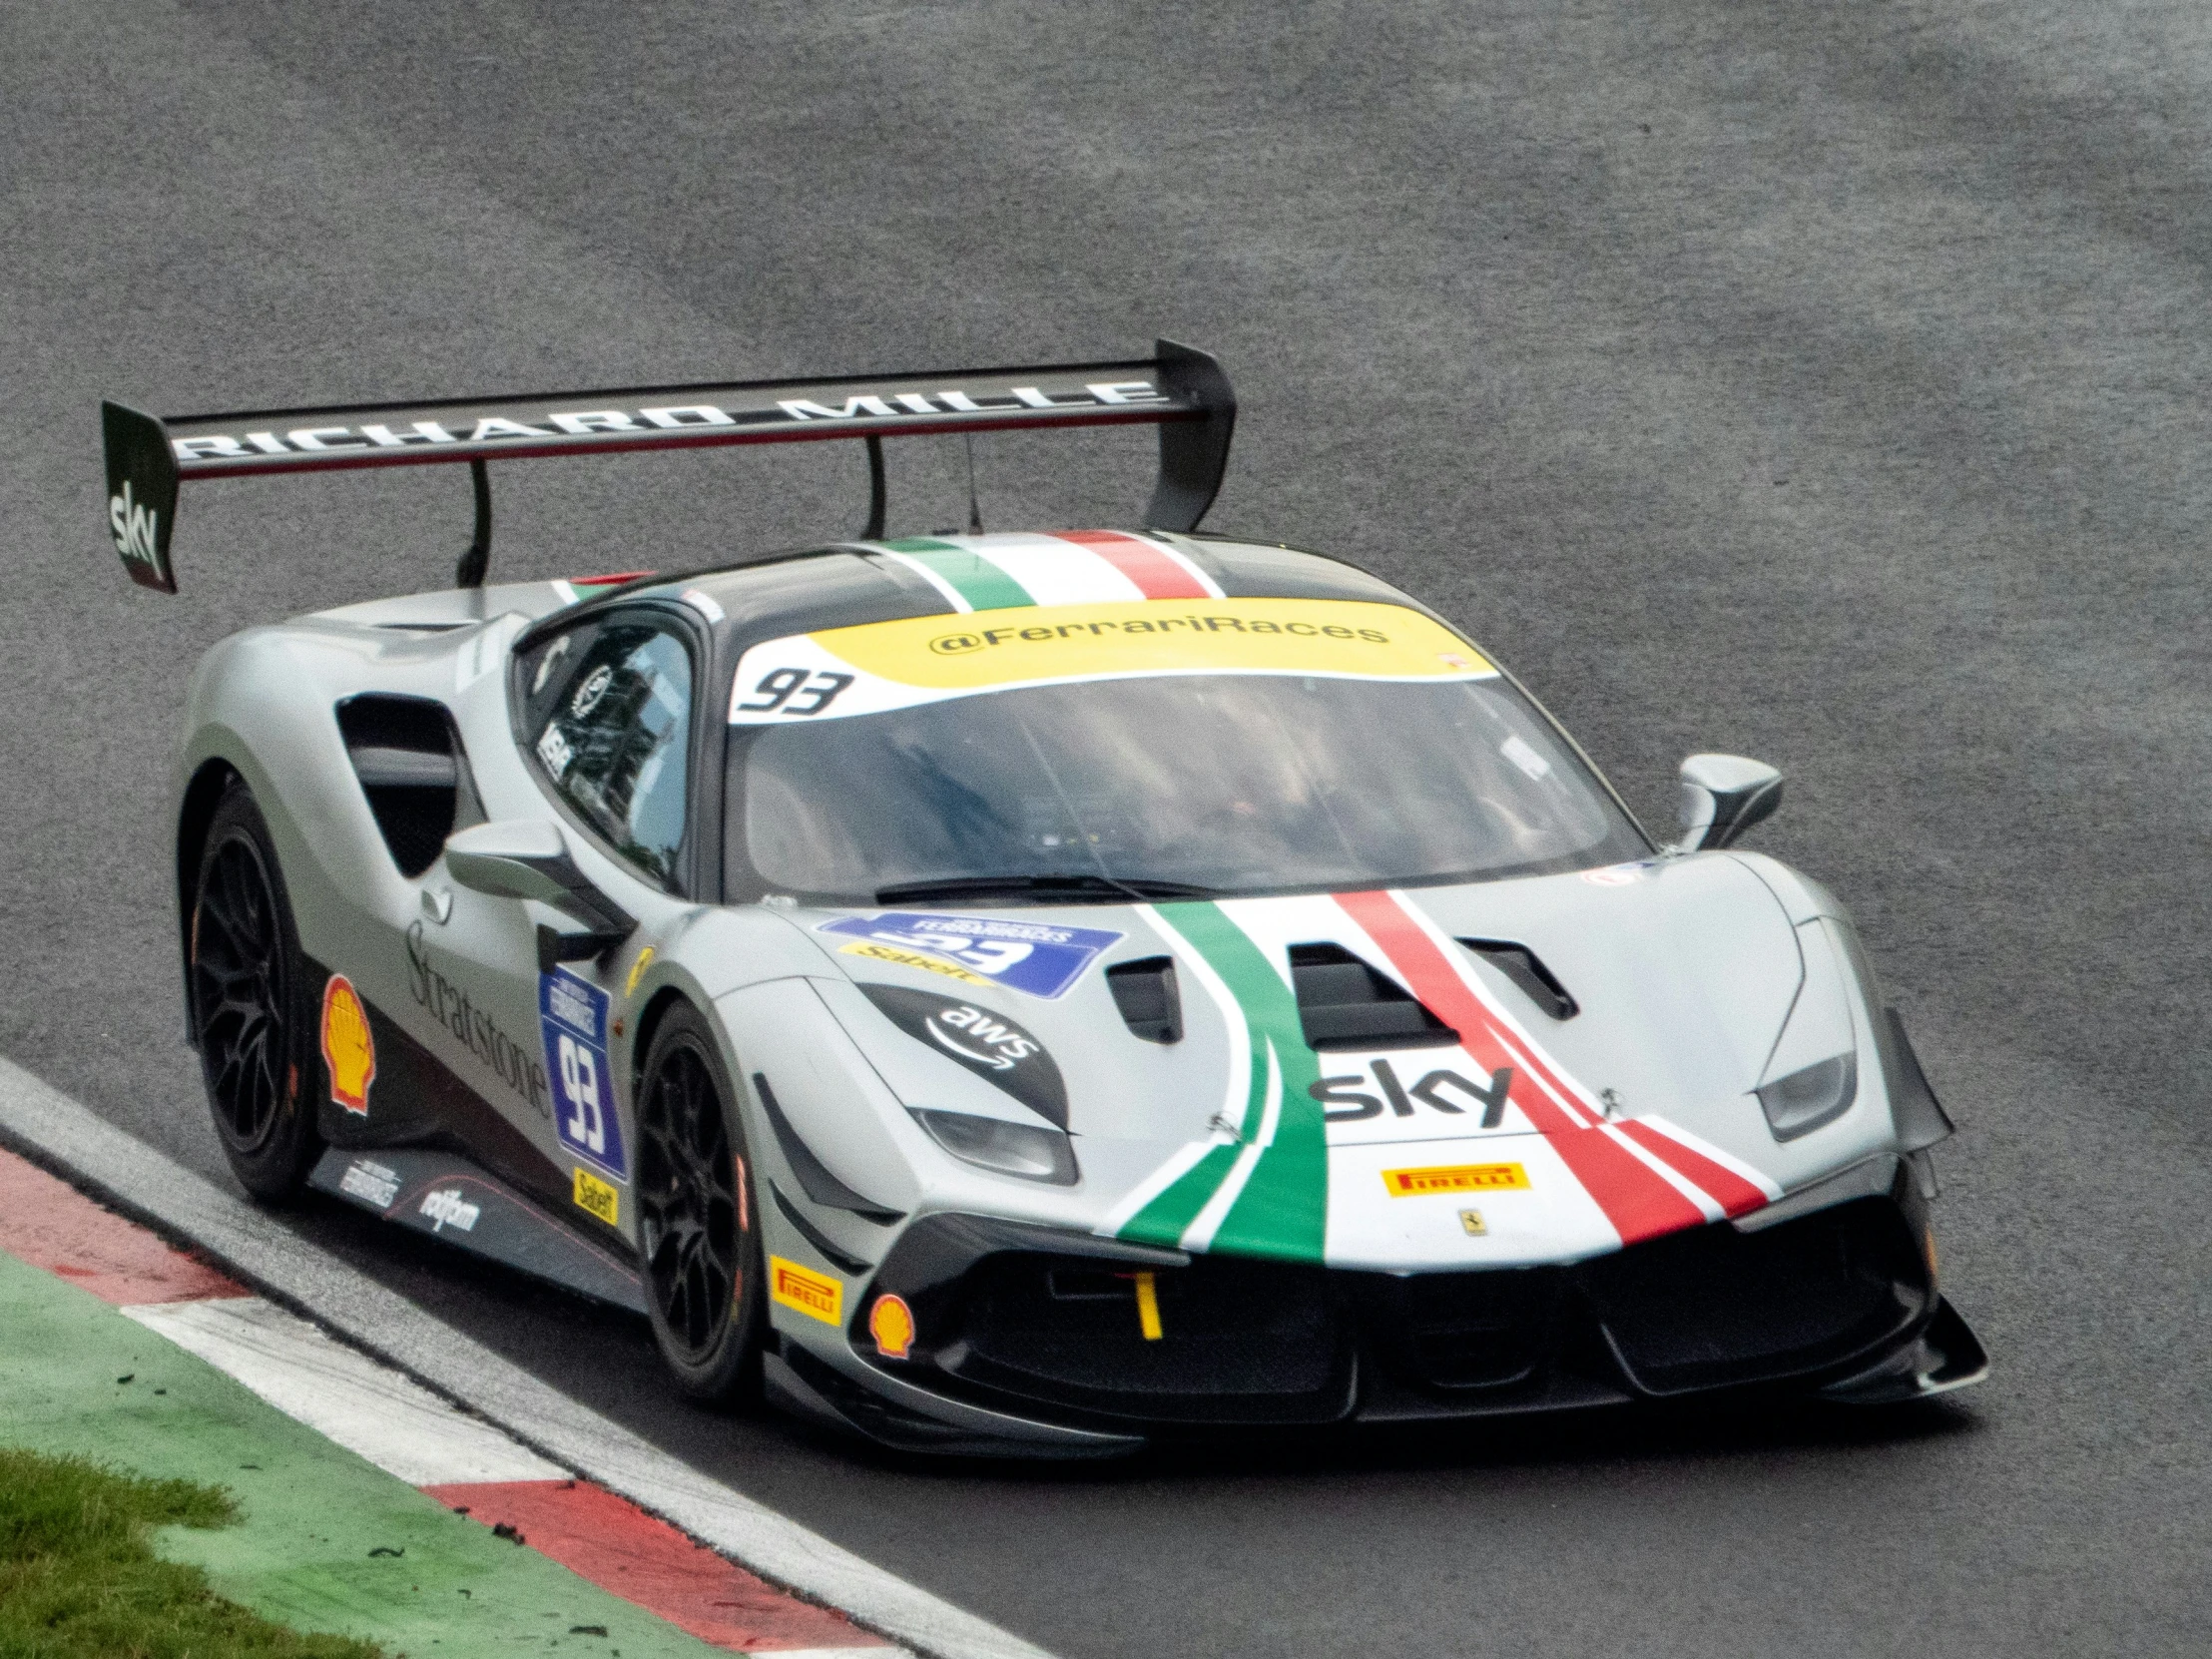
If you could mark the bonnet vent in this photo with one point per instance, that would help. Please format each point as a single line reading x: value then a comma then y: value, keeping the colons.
x: 1145, y: 993
x: 1343, y: 1003
x: 1529, y: 975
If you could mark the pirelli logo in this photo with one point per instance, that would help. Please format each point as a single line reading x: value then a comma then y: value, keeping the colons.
x: 815, y: 1295
x: 1454, y: 1178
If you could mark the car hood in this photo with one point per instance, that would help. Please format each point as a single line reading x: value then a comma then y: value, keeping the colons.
x: 1509, y: 1135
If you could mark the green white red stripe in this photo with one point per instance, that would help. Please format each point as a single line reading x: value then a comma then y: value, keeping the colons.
x: 1069, y: 567
x: 1260, y: 1184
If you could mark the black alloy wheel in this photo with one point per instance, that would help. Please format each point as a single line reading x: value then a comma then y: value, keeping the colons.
x: 699, y: 1231
x: 246, y: 1005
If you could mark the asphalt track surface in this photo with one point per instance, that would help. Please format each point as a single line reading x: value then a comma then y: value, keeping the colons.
x: 1814, y: 382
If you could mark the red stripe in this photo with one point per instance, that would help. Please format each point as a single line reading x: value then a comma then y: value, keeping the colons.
x: 622, y: 1549
x: 1159, y: 576
x: 51, y: 1225
x: 1636, y: 1199
x: 1724, y: 1185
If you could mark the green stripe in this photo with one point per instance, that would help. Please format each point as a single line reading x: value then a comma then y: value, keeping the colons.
x: 1284, y: 1209
x: 971, y: 575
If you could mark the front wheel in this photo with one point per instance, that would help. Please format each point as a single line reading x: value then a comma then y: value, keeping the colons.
x: 700, y: 1228
x: 249, y: 1005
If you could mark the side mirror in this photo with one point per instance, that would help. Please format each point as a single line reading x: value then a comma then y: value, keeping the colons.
x: 526, y: 858
x: 1721, y: 796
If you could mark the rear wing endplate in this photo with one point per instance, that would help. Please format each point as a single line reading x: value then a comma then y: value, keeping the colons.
x: 1181, y: 390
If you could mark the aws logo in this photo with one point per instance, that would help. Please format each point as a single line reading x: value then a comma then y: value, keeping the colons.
x: 991, y: 1045
x: 984, y: 1038
x: 137, y: 529
x: 1349, y: 1099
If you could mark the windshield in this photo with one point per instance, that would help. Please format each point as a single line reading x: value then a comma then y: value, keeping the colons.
x: 1222, y: 784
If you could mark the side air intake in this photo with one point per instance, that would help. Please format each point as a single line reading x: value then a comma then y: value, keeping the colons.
x: 408, y: 759
x: 1343, y: 1003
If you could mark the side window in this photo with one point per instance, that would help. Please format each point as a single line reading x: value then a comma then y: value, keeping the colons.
x: 607, y: 710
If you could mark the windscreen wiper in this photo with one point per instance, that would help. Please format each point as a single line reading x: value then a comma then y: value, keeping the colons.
x: 1044, y: 887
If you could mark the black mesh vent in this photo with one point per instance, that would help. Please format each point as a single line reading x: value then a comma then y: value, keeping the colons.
x: 1468, y: 1329
x: 1343, y: 1003
x: 1240, y: 1342
x: 1712, y: 1305
x: 407, y: 758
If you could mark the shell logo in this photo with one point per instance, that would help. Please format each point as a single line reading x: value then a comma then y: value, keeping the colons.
x: 892, y: 1323
x: 348, y: 1048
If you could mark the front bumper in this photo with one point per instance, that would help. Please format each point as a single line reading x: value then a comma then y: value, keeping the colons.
x: 1033, y: 1342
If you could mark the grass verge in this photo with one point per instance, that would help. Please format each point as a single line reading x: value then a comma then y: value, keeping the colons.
x: 79, y: 1578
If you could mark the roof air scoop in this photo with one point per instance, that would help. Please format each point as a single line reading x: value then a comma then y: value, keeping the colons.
x: 1346, y: 1004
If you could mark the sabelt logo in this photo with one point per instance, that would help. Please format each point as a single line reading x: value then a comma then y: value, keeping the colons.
x: 1454, y: 1178
x: 137, y: 529
x: 596, y: 1197
x: 805, y: 1290
x: 523, y: 423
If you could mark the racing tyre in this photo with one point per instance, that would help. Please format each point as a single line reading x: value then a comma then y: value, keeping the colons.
x: 252, y: 1018
x: 700, y: 1226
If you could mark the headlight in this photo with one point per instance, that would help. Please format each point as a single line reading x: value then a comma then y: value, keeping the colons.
x: 1800, y: 1102
x: 1029, y: 1151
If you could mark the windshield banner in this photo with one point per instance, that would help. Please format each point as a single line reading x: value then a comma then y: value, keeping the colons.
x: 880, y: 666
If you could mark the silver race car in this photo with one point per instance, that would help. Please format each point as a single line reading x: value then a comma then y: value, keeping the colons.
x: 1025, y: 993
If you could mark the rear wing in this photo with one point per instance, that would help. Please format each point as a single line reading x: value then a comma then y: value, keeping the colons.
x: 1181, y: 390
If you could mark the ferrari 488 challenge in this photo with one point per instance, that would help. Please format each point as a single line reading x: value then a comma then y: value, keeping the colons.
x: 1025, y: 993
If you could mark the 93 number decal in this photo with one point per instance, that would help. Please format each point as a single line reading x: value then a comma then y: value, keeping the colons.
x: 796, y: 691
x: 580, y: 1082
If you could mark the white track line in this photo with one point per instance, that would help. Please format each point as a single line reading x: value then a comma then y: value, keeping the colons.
x: 259, y: 1250
x: 397, y: 1424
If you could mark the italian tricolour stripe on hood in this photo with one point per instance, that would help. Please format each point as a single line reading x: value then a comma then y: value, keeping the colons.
x: 1069, y: 567
x: 1261, y: 1184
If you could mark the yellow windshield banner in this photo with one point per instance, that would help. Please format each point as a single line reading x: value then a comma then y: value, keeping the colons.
x: 886, y: 665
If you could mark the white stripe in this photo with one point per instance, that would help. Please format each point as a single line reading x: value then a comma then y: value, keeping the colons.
x: 566, y: 591
x: 1707, y: 1204
x: 1186, y: 1159
x: 1706, y: 1149
x: 952, y: 594
x: 1055, y: 572
x: 1235, y: 1097
x: 259, y: 1248
x: 1200, y: 1234
x: 397, y: 1424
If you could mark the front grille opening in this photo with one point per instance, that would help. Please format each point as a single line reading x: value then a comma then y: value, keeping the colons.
x: 1239, y: 1341
x: 1712, y: 1306
x: 1346, y: 1004
x: 407, y: 758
